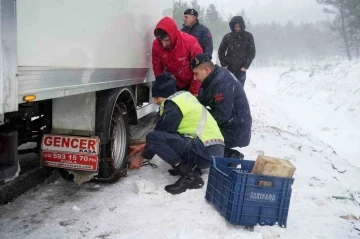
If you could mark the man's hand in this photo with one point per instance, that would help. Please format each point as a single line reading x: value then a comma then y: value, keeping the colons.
x: 135, y: 149
x: 136, y: 162
x: 243, y: 69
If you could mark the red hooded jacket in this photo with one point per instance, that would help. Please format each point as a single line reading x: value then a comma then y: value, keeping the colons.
x: 176, y: 60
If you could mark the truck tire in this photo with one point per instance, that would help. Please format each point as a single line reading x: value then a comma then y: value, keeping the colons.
x: 115, y: 154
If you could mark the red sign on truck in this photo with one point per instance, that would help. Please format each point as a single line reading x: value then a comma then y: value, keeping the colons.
x: 70, y: 152
x: 70, y: 144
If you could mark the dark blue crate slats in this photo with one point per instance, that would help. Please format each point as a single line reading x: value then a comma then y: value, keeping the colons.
x: 236, y: 195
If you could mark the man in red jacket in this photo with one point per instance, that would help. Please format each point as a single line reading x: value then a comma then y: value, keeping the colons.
x: 172, y: 52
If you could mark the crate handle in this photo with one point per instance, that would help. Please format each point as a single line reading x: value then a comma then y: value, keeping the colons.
x: 222, y: 167
x: 233, y: 165
x: 217, y: 169
x: 264, y: 183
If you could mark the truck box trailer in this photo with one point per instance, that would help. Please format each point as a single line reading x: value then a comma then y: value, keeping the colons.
x: 74, y: 74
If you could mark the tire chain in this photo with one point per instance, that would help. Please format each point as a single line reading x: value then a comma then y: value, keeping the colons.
x: 117, y: 174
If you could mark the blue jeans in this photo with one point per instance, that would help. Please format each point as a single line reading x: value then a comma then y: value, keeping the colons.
x: 174, y: 148
x: 241, y: 76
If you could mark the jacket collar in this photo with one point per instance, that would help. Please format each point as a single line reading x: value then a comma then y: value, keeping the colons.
x: 192, y: 26
x: 210, y: 77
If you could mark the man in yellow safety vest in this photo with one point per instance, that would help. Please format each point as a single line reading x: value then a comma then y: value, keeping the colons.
x: 185, y: 136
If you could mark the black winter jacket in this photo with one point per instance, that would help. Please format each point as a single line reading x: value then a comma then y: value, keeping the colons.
x: 225, y: 96
x: 202, y: 34
x: 237, y: 49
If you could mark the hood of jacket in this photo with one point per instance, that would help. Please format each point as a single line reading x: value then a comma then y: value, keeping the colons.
x: 237, y: 20
x: 169, y: 26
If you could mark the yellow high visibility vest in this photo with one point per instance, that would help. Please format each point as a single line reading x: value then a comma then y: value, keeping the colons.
x: 196, y: 121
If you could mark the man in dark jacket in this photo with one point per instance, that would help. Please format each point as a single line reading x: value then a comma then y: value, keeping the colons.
x: 226, y: 98
x: 185, y: 136
x: 193, y: 27
x: 237, y: 49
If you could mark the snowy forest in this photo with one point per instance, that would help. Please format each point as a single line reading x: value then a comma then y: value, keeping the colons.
x: 337, y: 38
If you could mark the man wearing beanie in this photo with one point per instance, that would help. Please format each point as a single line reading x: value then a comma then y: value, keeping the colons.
x: 185, y: 136
x: 225, y: 96
x: 193, y: 27
x: 172, y: 51
x: 237, y: 49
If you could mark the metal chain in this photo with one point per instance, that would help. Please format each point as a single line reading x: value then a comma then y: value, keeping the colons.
x: 123, y: 173
x: 117, y: 174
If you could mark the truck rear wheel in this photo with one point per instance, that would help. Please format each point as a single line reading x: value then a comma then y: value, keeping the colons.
x: 114, y: 155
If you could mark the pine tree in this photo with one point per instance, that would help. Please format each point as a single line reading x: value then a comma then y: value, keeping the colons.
x: 340, y: 22
x: 352, y: 13
x: 212, y: 16
x: 201, y: 10
x: 179, y: 8
x: 215, y: 23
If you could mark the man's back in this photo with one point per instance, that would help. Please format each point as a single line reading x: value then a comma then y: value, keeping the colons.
x: 189, y: 116
x: 224, y: 94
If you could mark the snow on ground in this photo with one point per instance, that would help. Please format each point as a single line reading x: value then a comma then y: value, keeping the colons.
x: 307, y: 115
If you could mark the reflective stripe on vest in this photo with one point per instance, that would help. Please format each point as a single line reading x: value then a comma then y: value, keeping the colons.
x: 202, y: 122
x: 197, y: 121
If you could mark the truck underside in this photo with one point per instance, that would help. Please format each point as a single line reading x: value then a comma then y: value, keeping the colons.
x: 106, y: 115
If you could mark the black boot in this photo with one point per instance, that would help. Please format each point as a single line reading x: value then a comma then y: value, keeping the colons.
x: 189, y: 179
x: 237, y: 155
x: 234, y: 154
x: 175, y: 171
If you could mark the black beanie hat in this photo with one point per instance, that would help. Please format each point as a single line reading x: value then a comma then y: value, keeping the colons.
x: 199, y: 59
x: 164, y: 85
x: 191, y: 11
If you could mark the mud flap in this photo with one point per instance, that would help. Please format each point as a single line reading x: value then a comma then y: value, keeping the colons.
x: 9, y: 159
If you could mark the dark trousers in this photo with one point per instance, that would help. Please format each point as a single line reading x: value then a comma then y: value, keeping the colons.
x: 241, y: 76
x: 173, y: 149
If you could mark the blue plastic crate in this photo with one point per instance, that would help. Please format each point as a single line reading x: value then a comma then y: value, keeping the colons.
x: 235, y: 193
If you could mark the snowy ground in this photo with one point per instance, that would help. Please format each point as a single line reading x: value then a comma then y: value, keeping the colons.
x: 309, y: 115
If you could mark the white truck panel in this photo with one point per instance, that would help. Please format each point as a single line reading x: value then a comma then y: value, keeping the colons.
x: 88, y: 33
x: 8, y: 63
x: 2, y: 87
x: 76, y: 112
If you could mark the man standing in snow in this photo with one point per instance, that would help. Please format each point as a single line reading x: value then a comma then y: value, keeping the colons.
x: 193, y: 27
x: 172, y: 52
x: 185, y: 136
x: 226, y: 98
x: 237, y: 49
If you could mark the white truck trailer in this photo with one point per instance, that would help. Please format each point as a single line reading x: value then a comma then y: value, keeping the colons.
x: 74, y: 74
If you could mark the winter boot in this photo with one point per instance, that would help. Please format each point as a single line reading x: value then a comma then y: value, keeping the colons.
x: 234, y: 154
x: 190, y: 179
x: 175, y: 171
x: 237, y: 155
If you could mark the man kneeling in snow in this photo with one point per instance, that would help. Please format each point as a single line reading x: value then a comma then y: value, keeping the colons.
x: 185, y: 136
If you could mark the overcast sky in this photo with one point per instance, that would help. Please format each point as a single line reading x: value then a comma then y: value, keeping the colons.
x: 269, y: 10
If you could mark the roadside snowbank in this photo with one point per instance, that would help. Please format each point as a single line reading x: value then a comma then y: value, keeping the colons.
x: 300, y: 115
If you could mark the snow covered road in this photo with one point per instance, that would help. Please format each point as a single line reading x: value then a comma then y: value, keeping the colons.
x: 282, y: 109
